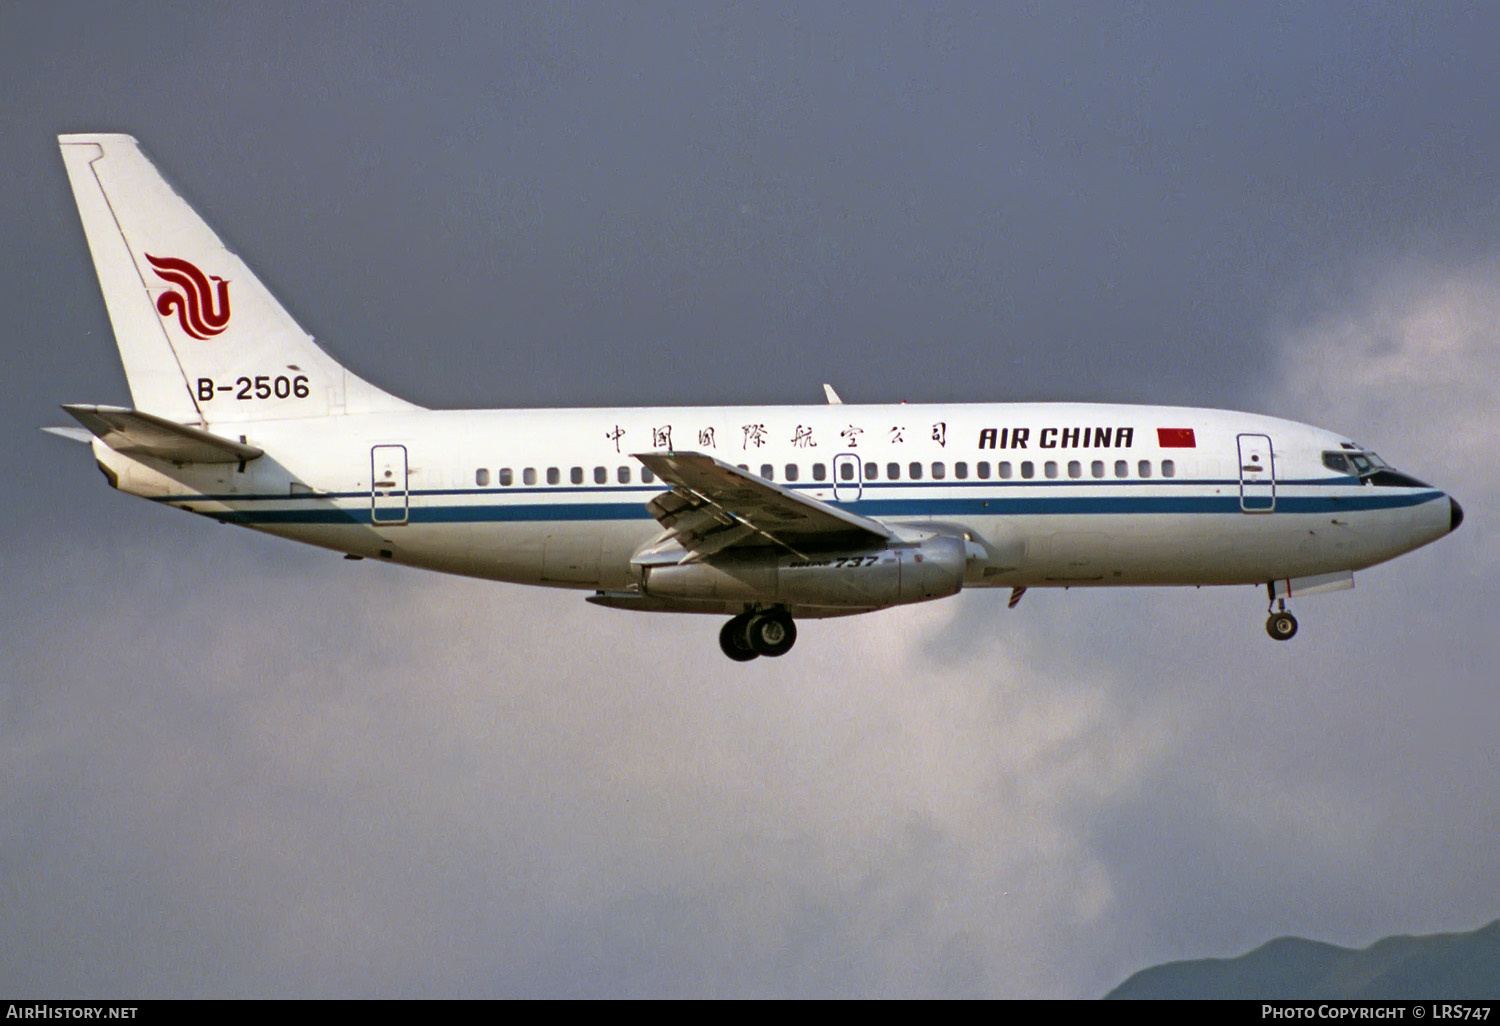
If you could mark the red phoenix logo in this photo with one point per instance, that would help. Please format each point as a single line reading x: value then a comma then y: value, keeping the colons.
x: 201, y: 312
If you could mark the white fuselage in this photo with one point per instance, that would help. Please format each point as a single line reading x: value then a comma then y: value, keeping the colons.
x: 1052, y: 494
x: 764, y: 514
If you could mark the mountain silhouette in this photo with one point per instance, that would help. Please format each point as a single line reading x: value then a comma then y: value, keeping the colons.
x: 1440, y: 966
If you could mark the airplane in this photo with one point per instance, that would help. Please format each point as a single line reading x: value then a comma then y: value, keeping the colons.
x: 765, y: 515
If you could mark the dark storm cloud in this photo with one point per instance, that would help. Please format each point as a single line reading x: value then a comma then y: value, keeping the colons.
x: 1020, y: 204
x: 238, y: 767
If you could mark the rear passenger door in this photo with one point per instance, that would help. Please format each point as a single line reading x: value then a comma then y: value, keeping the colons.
x: 388, y: 494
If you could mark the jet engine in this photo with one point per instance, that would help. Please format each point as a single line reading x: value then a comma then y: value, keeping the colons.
x: 860, y: 579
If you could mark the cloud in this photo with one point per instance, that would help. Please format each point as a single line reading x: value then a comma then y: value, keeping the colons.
x: 1344, y: 788
x: 238, y: 767
x: 1413, y: 354
x: 464, y: 788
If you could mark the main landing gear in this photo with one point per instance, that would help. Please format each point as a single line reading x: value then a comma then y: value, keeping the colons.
x: 768, y: 633
x: 1281, y: 624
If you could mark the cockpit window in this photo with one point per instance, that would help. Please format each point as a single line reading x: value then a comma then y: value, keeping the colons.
x: 1370, y: 468
x: 1385, y: 478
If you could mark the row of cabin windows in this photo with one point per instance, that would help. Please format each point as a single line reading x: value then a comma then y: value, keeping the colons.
x: 914, y: 471
x: 1004, y: 470
x: 506, y: 477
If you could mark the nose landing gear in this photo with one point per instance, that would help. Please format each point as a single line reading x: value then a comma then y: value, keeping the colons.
x: 1281, y: 624
x: 769, y: 633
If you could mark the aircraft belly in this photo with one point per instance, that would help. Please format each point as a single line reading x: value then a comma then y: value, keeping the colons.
x: 570, y: 557
x: 1207, y: 549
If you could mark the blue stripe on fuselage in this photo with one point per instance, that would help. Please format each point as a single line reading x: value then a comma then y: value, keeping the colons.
x: 909, y: 507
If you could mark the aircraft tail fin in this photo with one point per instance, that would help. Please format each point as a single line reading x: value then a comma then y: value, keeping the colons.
x: 201, y: 337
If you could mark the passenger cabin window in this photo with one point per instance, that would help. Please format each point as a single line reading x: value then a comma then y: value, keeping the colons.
x: 792, y: 472
x: 982, y: 470
x: 601, y: 475
x: 1075, y: 469
x: 576, y: 475
x: 939, y: 471
x: 623, y: 475
x: 768, y: 472
x: 1168, y: 468
x: 1005, y: 470
x: 1028, y: 469
x: 961, y: 471
x: 1097, y: 468
x: 1143, y: 468
x: 1122, y: 468
x: 529, y: 475
x: 554, y: 476
x: 915, y: 470
x: 820, y: 472
x: 872, y: 471
x: 506, y: 477
x: 481, y: 477
x: 893, y: 471
x: 846, y: 471
x: 1051, y: 468
x: 647, y: 476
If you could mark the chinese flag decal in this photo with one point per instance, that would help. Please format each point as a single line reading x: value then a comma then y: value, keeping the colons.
x: 1176, y: 438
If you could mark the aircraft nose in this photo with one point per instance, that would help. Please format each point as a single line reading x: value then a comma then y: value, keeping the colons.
x: 1455, y: 515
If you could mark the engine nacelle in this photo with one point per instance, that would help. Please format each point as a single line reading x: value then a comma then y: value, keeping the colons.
x: 865, y: 579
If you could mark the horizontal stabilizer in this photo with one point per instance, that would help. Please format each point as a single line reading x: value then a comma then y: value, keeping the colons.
x: 143, y: 434
x: 72, y: 434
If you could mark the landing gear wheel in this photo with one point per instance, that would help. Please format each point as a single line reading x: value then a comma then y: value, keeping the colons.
x: 772, y: 634
x: 733, y: 641
x: 1281, y: 626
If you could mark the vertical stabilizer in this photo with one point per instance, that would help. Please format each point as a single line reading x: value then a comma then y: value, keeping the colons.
x: 201, y: 338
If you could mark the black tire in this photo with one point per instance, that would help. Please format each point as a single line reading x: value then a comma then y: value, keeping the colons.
x: 772, y: 634
x: 1281, y: 626
x: 733, y: 641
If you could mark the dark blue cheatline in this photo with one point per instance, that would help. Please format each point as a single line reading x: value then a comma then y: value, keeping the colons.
x: 914, y: 508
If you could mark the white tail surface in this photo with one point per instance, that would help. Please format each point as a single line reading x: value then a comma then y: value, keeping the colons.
x: 201, y: 338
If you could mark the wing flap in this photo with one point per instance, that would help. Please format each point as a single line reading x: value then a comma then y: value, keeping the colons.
x: 713, y: 506
x: 143, y: 434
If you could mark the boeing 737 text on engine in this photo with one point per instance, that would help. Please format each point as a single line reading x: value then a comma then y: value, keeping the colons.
x: 760, y: 514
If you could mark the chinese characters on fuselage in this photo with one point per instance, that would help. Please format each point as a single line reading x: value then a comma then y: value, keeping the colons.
x: 754, y: 436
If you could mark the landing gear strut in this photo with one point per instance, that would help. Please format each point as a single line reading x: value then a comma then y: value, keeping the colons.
x: 1281, y: 624
x: 768, y: 633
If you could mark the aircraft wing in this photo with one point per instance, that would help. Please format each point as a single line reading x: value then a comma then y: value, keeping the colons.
x: 135, y: 433
x: 713, y: 506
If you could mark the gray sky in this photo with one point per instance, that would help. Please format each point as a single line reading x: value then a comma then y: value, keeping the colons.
x: 238, y: 767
